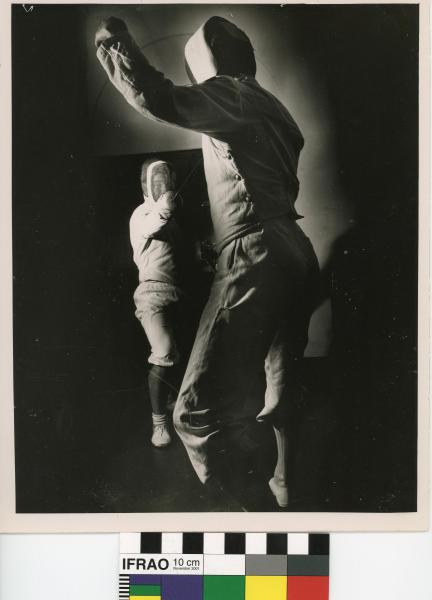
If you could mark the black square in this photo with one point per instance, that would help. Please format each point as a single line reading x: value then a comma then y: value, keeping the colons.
x: 277, y: 543
x: 193, y: 543
x: 151, y: 543
x: 235, y: 543
x: 319, y: 544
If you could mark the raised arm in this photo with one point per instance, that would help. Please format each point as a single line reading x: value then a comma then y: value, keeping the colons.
x: 213, y: 107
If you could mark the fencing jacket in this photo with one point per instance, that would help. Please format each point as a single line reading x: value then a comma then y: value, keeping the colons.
x: 157, y: 242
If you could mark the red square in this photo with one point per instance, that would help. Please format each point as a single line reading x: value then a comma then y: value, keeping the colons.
x: 307, y: 588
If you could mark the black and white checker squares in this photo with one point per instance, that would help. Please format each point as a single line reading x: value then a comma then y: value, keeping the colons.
x: 315, y: 544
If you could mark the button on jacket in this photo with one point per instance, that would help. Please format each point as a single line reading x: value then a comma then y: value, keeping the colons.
x: 251, y: 144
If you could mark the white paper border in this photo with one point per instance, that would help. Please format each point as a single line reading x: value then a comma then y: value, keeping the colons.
x: 10, y: 521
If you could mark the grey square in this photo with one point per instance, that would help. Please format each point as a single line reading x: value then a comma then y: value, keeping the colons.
x: 266, y: 564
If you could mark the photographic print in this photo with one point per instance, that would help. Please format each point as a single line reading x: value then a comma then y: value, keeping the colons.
x: 215, y: 268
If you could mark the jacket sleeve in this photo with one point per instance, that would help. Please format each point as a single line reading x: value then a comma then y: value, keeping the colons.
x: 144, y: 226
x: 213, y: 107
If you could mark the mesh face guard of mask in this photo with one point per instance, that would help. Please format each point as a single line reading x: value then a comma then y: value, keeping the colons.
x: 159, y: 179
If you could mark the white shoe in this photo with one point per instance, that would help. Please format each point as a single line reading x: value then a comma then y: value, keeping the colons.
x: 280, y: 492
x: 161, y: 436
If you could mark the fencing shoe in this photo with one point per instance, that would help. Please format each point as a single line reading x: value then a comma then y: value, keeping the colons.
x: 161, y: 436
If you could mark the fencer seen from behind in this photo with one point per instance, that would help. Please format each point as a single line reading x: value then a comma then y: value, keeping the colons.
x: 264, y: 290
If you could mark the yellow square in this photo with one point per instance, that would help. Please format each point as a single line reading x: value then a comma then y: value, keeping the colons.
x: 266, y: 587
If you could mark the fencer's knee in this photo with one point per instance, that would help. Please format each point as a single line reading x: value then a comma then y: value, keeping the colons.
x: 159, y: 371
x: 168, y: 360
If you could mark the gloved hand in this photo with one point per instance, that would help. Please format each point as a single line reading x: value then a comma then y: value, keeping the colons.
x: 167, y: 202
x: 107, y: 28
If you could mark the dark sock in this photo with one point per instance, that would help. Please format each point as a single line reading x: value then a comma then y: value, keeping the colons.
x: 159, y: 386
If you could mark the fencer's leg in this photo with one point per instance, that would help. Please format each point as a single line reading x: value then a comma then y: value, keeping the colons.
x: 158, y: 378
x: 163, y: 357
x: 158, y: 385
x: 278, y: 483
x: 163, y: 384
x: 228, y: 351
x: 280, y: 398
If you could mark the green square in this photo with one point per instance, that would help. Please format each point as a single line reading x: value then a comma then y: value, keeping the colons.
x: 144, y: 590
x: 228, y: 587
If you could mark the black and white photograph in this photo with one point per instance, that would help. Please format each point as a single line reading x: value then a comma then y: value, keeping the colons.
x: 215, y: 262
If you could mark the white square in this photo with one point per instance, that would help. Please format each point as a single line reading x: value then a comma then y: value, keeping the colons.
x: 298, y: 543
x: 172, y: 543
x: 256, y: 543
x: 130, y: 543
x: 214, y: 543
x: 224, y: 564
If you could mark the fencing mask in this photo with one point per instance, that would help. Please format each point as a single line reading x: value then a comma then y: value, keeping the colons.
x: 157, y: 177
x: 219, y: 47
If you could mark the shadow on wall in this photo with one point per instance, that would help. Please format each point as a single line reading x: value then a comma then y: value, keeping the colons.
x: 371, y: 273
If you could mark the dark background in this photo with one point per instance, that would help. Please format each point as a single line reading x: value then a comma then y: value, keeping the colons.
x: 81, y: 413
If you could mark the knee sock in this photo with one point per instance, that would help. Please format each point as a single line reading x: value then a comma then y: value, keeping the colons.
x: 159, y: 385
